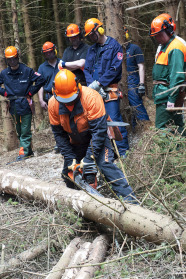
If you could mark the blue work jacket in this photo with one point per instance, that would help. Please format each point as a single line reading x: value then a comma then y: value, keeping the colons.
x: 18, y: 84
x: 107, y: 60
x: 48, y: 72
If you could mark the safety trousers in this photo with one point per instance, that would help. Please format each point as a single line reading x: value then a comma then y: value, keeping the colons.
x: 106, y: 165
x: 23, y: 128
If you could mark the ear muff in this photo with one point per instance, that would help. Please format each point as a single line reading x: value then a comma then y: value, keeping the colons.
x: 168, y: 27
x: 101, y: 30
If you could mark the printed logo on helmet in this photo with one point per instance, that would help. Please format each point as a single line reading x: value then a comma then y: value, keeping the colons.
x: 120, y: 55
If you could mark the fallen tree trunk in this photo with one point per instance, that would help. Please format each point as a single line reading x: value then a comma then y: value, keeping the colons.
x: 97, y: 254
x: 134, y: 220
x: 78, y: 258
x: 58, y: 270
x: 20, y: 259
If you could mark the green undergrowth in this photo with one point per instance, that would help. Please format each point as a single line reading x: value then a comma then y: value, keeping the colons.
x: 158, y: 163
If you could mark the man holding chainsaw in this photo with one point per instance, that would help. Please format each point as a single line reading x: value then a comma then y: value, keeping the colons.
x: 18, y: 82
x: 103, y: 70
x: 79, y: 123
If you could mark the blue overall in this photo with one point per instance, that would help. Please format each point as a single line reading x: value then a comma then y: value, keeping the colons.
x: 104, y: 64
x: 135, y: 57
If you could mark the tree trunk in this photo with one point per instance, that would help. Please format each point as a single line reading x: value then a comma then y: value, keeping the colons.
x: 58, y: 28
x: 15, y: 26
x: 114, y: 28
x: 30, y: 51
x: 10, y: 140
x: 27, y: 255
x: 97, y: 254
x: 58, y: 270
x: 181, y: 19
x: 31, y: 60
x: 134, y: 220
x: 78, y: 258
x: 77, y: 11
x: 9, y: 133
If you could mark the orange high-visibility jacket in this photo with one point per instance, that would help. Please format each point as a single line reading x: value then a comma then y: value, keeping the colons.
x: 87, y: 121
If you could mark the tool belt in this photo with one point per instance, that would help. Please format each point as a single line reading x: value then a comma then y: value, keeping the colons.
x: 113, y: 92
x: 160, y: 82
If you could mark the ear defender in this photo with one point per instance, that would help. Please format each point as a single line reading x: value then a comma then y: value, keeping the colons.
x: 168, y: 27
x: 126, y: 33
x: 101, y: 30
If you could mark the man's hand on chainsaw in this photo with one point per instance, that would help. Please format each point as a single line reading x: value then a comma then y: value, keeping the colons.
x: 71, y: 167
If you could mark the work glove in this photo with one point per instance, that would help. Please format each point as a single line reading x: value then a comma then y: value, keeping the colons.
x: 103, y: 93
x: 94, y: 85
x: 71, y: 167
x: 141, y: 90
x: 61, y: 65
x: 170, y: 105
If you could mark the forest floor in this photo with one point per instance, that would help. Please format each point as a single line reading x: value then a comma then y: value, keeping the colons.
x: 24, y: 224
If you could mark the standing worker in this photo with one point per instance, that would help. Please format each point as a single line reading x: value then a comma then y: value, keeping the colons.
x: 74, y: 56
x: 135, y: 80
x: 103, y: 70
x: 48, y: 69
x: 18, y: 82
x: 79, y: 123
x: 168, y: 73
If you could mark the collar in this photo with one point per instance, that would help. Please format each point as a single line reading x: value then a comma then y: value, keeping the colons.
x: 106, y: 42
x: 164, y: 47
x: 47, y: 64
x: 128, y: 45
x: 78, y: 108
x: 14, y: 72
x: 81, y: 44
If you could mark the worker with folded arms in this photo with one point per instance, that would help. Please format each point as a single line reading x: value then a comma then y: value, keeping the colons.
x: 79, y: 123
x: 168, y: 73
x: 74, y: 55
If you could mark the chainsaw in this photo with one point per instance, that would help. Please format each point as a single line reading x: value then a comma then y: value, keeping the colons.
x: 76, y: 175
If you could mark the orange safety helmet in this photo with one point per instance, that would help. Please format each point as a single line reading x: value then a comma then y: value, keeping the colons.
x: 72, y: 30
x: 162, y: 22
x: 48, y: 46
x: 10, y: 52
x: 91, y: 25
x: 66, y: 87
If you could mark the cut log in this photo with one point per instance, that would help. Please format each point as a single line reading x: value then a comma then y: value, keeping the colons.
x: 135, y: 220
x: 78, y: 259
x: 98, y: 251
x: 27, y: 255
x: 58, y: 270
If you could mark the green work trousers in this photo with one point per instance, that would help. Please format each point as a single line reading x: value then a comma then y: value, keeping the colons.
x: 23, y: 128
x: 164, y: 118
